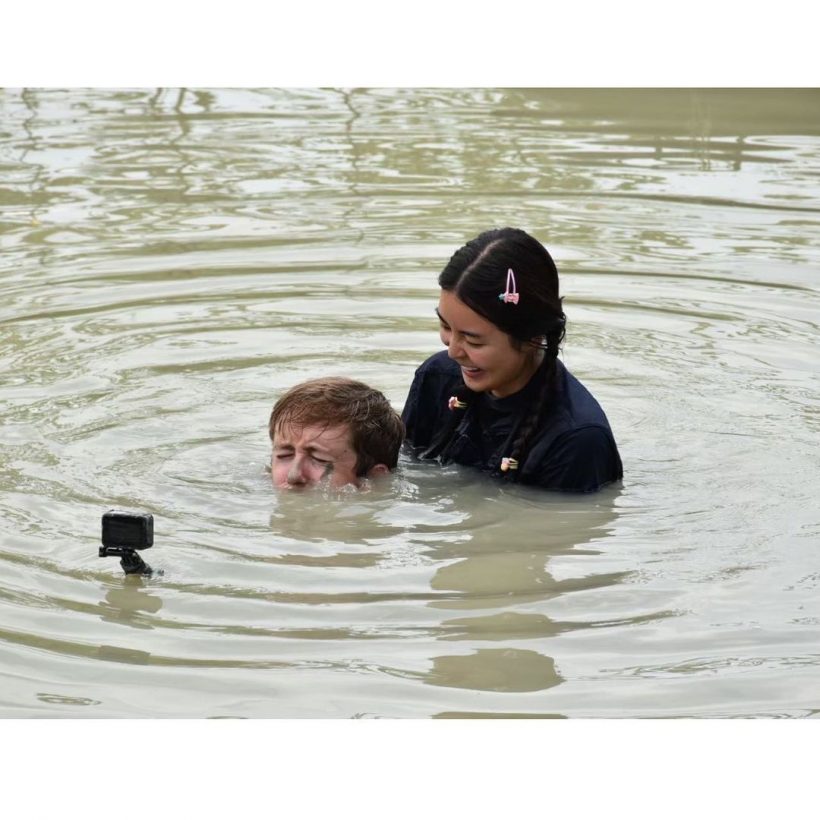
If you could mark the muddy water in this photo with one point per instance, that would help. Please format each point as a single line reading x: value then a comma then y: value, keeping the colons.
x: 173, y: 260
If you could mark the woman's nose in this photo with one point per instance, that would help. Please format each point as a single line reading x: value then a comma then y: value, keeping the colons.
x: 454, y: 348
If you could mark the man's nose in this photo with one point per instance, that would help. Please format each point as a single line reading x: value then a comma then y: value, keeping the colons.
x: 296, y: 473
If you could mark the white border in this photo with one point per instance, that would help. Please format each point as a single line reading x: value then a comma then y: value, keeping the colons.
x: 137, y: 769
x: 634, y: 43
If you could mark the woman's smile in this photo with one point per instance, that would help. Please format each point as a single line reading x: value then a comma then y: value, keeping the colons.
x: 471, y: 374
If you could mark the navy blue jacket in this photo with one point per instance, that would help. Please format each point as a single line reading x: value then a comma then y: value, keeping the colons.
x: 573, y: 448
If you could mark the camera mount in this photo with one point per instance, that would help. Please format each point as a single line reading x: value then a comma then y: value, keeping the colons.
x: 130, y: 560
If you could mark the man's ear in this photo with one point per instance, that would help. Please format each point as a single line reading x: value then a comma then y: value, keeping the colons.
x: 378, y: 469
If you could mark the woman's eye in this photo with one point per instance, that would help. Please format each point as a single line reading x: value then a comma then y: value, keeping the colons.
x: 473, y: 344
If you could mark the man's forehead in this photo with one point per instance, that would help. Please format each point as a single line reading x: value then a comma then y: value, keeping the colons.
x: 312, y: 434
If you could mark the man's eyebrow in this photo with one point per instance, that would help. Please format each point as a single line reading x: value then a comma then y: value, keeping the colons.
x: 463, y: 332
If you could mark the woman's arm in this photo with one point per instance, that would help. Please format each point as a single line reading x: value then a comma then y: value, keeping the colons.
x: 582, y: 461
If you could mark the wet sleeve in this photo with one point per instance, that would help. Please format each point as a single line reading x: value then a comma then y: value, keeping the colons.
x: 425, y: 409
x: 418, y: 432
x: 580, y: 461
x: 418, y: 416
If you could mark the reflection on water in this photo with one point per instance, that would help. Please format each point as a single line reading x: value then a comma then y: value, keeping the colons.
x: 128, y: 604
x: 496, y: 670
x: 173, y: 259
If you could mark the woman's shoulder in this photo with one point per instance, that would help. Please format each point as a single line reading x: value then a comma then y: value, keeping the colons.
x: 435, y: 375
x: 574, y: 449
x: 576, y: 404
x: 439, y: 364
x: 426, y: 405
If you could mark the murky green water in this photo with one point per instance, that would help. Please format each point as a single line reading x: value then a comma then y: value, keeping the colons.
x: 172, y: 260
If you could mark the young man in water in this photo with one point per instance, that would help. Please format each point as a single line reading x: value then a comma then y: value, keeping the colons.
x: 332, y: 428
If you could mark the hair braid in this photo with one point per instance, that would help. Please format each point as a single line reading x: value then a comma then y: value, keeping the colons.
x: 530, y: 423
x: 529, y: 426
x: 456, y: 414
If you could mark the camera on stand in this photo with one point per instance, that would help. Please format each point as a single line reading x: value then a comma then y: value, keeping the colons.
x: 123, y: 534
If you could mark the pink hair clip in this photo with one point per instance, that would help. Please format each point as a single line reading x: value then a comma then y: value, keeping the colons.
x: 510, y: 295
x: 508, y: 464
x: 456, y: 404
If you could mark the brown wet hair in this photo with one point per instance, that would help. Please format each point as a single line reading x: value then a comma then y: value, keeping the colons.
x: 376, y: 429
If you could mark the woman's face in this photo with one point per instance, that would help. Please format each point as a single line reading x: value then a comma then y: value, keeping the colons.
x: 489, y: 362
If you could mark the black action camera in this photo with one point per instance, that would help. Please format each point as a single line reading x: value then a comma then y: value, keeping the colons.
x: 122, y: 534
x: 121, y: 529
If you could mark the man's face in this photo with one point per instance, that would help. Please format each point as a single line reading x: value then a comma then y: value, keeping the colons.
x: 303, y: 456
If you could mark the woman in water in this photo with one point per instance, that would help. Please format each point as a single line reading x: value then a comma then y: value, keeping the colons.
x: 498, y: 398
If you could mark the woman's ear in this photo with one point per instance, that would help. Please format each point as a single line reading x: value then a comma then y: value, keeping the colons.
x: 378, y: 469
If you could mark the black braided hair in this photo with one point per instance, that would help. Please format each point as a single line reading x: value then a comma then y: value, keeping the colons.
x: 539, y: 407
x: 476, y: 274
x: 455, y: 414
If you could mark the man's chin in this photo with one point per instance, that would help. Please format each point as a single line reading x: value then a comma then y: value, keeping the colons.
x: 323, y: 485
